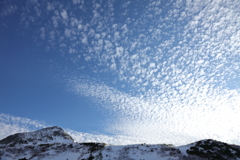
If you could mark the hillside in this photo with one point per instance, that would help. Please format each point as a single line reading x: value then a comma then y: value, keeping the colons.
x: 55, y: 144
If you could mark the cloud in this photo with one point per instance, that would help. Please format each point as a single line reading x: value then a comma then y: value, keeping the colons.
x: 64, y: 14
x: 198, y: 113
x: 11, y: 125
x: 175, y: 61
x: 179, y: 90
x: 100, y: 138
x: 6, y: 11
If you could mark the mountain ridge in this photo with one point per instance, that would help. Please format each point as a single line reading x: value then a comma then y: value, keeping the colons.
x: 43, y: 136
x: 55, y: 143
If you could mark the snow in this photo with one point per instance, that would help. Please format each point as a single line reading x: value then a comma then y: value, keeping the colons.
x: 184, y: 148
x: 49, y: 135
x: 54, y: 144
x: 81, y: 151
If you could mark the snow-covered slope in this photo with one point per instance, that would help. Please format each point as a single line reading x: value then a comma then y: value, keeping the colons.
x: 48, y: 135
x: 54, y: 144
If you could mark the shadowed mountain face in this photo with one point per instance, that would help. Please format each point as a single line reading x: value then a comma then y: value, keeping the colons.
x: 54, y: 143
x: 212, y: 149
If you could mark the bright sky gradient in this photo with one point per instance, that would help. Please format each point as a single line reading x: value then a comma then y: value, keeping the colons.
x: 119, y: 71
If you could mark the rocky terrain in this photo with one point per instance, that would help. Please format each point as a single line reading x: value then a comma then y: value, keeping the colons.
x: 55, y: 144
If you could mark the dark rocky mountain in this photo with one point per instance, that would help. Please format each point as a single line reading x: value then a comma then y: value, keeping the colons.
x: 211, y: 149
x: 55, y: 144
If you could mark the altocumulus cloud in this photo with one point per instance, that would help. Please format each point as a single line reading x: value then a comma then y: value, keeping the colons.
x: 181, y: 75
x: 178, y: 61
x: 201, y: 115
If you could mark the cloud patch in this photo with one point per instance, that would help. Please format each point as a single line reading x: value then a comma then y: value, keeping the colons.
x: 10, y: 125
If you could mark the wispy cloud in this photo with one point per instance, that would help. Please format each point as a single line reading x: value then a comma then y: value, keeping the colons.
x: 108, y: 139
x: 9, y: 10
x: 10, y: 125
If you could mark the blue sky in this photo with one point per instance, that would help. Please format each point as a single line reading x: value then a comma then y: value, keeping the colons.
x: 141, y: 71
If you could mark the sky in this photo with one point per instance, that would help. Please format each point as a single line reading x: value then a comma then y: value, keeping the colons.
x: 122, y: 71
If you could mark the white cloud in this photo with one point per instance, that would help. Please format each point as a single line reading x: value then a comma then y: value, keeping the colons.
x: 42, y: 30
x: 7, y: 130
x: 64, y: 14
x: 199, y: 112
x: 50, y: 6
x: 8, y: 10
x: 177, y: 60
x: 119, y: 51
x: 11, y: 125
x: 88, y: 137
x: 77, y: 1
x: 84, y: 38
x: 67, y: 33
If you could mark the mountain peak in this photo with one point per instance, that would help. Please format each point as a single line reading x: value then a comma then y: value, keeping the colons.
x: 47, y: 135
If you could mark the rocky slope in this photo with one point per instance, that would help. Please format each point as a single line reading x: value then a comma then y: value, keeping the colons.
x: 55, y: 144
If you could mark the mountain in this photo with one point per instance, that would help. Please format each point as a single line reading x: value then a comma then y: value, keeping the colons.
x: 48, y: 135
x: 55, y: 144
